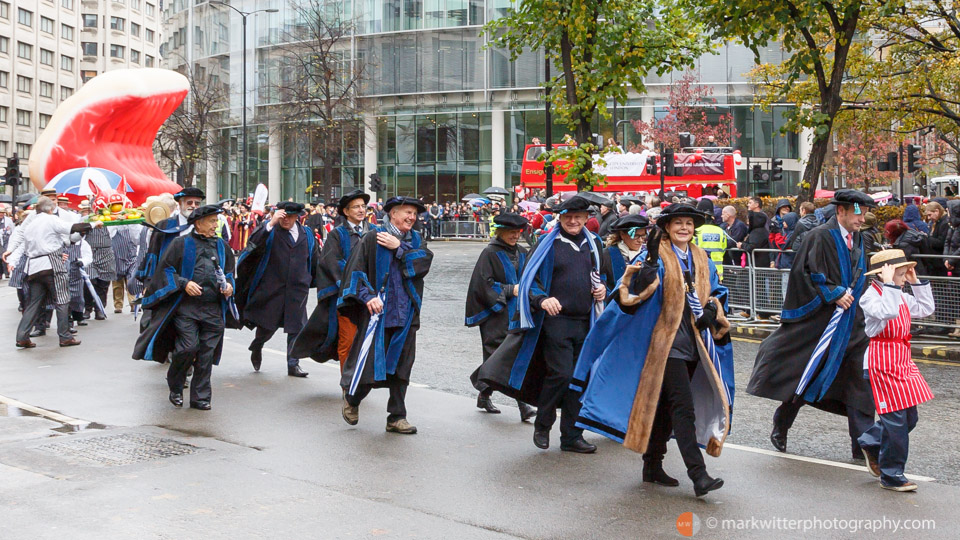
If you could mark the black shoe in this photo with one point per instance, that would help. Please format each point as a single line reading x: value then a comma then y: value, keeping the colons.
x: 654, y: 474
x: 484, y: 402
x: 541, y: 439
x: 86, y: 315
x: 100, y: 317
x: 202, y: 405
x: 38, y: 332
x: 526, y: 411
x: 82, y: 323
x: 579, y: 446
x: 295, y: 371
x: 176, y: 398
x: 779, y: 438
x: 705, y: 484
x: 73, y: 330
x: 256, y: 358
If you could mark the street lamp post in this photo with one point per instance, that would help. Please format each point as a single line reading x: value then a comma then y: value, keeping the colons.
x: 243, y: 86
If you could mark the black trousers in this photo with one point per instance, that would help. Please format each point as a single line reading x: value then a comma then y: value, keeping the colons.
x: 262, y: 336
x: 675, y: 413
x: 561, y: 340
x: 102, y: 287
x: 396, y: 404
x: 198, y: 335
x: 857, y: 421
x: 42, y: 291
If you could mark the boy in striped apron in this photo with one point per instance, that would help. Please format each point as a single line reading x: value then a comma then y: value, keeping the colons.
x: 898, y: 387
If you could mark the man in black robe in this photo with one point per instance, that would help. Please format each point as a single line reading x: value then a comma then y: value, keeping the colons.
x: 276, y: 271
x: 562, y: 288
x: 828, y: 273
x: 492, y: 297
x: 189, y: 303
x: 381, y: 294
x: 327, y: 335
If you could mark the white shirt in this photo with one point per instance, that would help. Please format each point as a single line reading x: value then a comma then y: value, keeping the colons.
x: 294, y: 231
x: 844, y: 232
x: 45, y: 234
x: 183, y: 221
x: 879, y: 309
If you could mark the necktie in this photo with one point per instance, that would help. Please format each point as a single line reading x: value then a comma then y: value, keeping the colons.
x: 359, y: 229
x: 850, y: 241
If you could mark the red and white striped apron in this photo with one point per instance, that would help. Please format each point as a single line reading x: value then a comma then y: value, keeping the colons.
x: 894, y: 378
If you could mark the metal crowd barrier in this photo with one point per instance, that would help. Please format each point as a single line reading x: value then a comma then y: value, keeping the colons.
x: 463, y: 229
x: 760, y: 292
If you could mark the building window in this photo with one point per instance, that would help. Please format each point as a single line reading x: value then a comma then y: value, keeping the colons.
x: 24, y: 50
x: 43, y: 120
x: 66, y: 32
x: 46, y: 89
x: 87, y: 74
x: 135, y: 4
x: 150, y: 9
x: 24, y: 84
x: 89, y: 21
x: 65, y: 92
x: 134, y: 56
x: 23, y: 151
x: 89, y: 48
x: 117, y: 51
x: 148, y: 34
x: 68, y: 4
x: 4, y: 10
x: 3, y: 120
x: 4, y: 79
x: 66, y: 62
x: 148, y: 61
x: 25, y: 17
x: 4, y: 45
x: 3, y: 146
x: 46, y: 57
x: 23, y: 118
x: 46, y: 25
x: 116, y: 23
x: 134, y: 29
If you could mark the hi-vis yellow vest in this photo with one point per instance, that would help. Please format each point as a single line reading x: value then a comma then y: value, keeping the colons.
x: 712, y: 239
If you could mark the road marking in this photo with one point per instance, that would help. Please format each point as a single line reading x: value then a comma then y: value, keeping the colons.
x: 818, y: 461
x: 746, y: 340
x: 50, y: 415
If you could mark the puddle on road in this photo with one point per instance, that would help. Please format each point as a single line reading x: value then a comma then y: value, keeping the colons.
x: 8, y: 410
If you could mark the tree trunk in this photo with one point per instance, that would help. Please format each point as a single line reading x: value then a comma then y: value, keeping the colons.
x: 584, y: 134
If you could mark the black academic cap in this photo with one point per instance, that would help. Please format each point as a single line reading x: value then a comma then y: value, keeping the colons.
x: 398, y: 201
x: 290, y: 207
x: 676, y: 210
x: 574, y: 204
x: 510, y: 221
x: 632, y: 221
x: 203, y: 212
x: 847, y: 197
x: 189, y: 192
x: 355, y: 194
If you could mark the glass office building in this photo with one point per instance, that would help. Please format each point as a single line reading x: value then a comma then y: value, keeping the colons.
x: 442, y: 115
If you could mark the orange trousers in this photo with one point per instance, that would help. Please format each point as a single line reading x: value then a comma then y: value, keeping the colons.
x: 346, y: 331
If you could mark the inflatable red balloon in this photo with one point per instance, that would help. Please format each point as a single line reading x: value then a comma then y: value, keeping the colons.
x: 111, y: 122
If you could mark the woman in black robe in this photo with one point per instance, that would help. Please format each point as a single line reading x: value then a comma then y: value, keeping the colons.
x: 492, y: 297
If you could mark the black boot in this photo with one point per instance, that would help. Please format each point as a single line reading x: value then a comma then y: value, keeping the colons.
x: 779, y: 438
x: 484, y: 402
x: 527, y: 412
x: 704, y: 484
x: 256, y: 358
x: 653, y: 473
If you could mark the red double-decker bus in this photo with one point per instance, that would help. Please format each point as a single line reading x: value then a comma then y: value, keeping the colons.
x: 696, y: 171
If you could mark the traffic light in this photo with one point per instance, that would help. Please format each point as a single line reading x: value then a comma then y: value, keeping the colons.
x: 651, y: 165
x: 776, y: 173
x: 668, y: 163
x: 757, y: 173
x: 890, y: 164
x: 376, y: 185
x: 913, y: 156
x: 12, y: 176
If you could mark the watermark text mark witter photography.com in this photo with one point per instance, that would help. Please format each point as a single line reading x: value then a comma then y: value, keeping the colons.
x: 689, y: 524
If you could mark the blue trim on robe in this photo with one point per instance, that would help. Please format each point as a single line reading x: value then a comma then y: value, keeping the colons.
x: 510, y: 275
x: 187, y: 264
x: 617, y: 263
x: 838, y: 346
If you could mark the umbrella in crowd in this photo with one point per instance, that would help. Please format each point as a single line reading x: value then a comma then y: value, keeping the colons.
x: 4, y: 198
x: 627, y: 200
x: 479, y: 202
x: 593, y: 198
x: 471, y: 197
x: 530, y: 206
x: 76, y: 181
x: 495, y: 190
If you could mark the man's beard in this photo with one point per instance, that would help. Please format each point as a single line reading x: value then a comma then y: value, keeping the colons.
x: 186, y: 213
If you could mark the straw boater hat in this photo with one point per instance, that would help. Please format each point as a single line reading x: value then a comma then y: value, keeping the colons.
x: 155, y: 210
x: 893, y: 257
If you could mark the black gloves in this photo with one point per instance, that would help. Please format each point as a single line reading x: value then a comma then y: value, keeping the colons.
x: 709, y: 317
x: 648, y: 271
x: 653, y: 248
